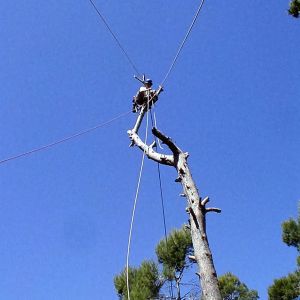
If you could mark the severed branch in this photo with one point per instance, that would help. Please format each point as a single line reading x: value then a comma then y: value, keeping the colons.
x: 213, y: 209
x: 205, y: 201
x: 192, y: 258
x: 202, y: 205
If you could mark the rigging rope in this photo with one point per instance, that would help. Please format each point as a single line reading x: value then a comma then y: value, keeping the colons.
x: 153, y: 120
x: 158, y: 167
x: 147, y: 124
x: 115, y: 37
x: 160, y: 186
x: 65, y: 139
x: 127, y: 55
x: 183, y: 42
x: 134, y: 207
x: 155, y: 125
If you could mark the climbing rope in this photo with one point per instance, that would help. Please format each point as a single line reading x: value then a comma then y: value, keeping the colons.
x: 134, y: 206
x: 73, y: 136
x: 153, y: 120
x: 160, y: 186
x: 147, y: 124
x: 154, y: 124
x: 183, y: 42
x: 115, y: 37
x: 127, y: 55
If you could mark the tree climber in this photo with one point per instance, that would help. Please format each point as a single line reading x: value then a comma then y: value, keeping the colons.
x: 146, y: 95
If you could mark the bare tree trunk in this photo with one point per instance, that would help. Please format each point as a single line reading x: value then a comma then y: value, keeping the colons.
x: 196, y: 206
x: 178, y: 289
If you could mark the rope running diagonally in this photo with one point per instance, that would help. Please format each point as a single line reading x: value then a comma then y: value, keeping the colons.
x: 115, y: 37
x: 127, y: 55
x: 183, y: 43
x: 134, y: 208
x: 73, y: 136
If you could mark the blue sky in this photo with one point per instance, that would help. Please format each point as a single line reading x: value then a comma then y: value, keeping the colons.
x: 232, y: 102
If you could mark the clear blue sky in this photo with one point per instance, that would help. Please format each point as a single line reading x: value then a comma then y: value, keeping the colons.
x: 232, y: 102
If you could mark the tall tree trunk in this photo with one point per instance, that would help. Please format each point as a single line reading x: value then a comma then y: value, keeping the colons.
x: 196, y: 206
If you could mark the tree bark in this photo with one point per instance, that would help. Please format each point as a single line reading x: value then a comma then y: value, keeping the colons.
x: 196, y: 206
x: 178, y: 290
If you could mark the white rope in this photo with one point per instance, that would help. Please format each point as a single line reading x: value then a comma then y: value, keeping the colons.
x: 134, y: 206
x: 183, y: 42
x: 155, y: 125
x: 73, y: 136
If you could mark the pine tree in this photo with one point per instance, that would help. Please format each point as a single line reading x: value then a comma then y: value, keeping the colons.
x: 232, y: 288
x: 285, y: 288
x: 174, y: 253
x: 144, y: 282
x: 291, y: 232
x: 175, y: 256
x: 294, y: 9
x: 288, y: 287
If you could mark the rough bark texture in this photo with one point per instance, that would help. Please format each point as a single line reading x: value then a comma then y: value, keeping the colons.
x: 196, y: 206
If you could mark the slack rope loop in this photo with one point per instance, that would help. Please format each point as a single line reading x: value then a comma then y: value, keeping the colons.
x: 115, y: 37
x: 65, y: 139
x: 183, y: 42
x: 134, y: 207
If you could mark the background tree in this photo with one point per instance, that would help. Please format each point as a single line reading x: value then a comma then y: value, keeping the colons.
x: 285, y: 288
x: 232, y: 288
x: 291, y: 232
x: 294, y: 9
x: 288, y: 287
x: 175, y: 255
x: 144, y: 282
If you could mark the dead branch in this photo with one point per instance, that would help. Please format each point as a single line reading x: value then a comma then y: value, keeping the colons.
x: 204, y: 201
x: 150, y: 152
x: 213, y: 209
x: 166, y: 140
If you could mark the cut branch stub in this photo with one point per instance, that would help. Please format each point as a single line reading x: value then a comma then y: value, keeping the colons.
x: 213, y: 209
x: 203, y: 203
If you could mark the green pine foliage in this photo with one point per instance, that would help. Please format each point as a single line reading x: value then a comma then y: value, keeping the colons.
x: 144, y: 282
x: 147, y: 281
x: 173, y: 252
x: 232, y: 288
x: 285, y: 288
x: 291, y: 232
x: 288, y: 287
x: 294, y: 9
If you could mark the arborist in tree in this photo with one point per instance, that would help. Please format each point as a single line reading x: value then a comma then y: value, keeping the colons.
x: 146, y: 95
